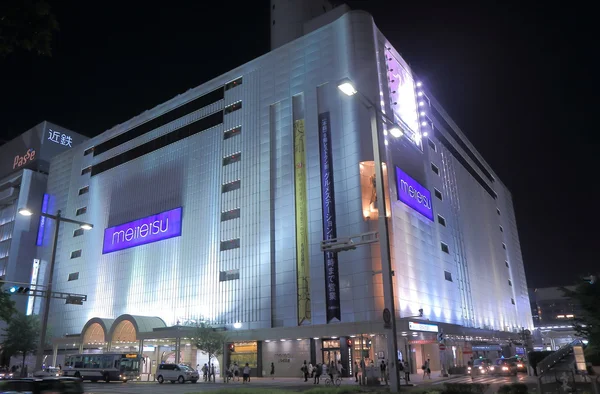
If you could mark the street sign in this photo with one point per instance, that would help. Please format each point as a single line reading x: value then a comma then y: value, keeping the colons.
x: 442, y: 346
x: 387, y: 318
x: 467, y: 351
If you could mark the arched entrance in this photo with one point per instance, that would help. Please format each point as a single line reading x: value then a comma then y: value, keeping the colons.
x: 94, y: 333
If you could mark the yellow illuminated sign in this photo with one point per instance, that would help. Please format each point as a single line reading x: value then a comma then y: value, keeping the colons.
x: 302, y: 260
x: 131, y: 356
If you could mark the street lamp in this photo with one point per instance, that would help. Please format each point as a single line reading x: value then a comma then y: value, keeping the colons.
x: 58, y: 219
x: 347, y: 87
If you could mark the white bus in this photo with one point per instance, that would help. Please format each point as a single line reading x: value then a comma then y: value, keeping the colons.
x: 107, y: 366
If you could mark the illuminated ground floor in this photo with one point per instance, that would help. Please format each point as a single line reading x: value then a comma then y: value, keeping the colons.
x: 287, y: 347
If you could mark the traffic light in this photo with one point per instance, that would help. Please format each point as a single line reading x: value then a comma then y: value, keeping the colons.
x: 349, y: 342
x: 440, y: 337
x: 231, y: 347
x: 19, y: 290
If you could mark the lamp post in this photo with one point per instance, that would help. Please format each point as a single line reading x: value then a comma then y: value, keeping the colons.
x: 58, y: 218
x: 347, y: 87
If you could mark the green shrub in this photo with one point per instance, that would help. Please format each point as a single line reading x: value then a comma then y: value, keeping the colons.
x: 259, y: 390
x: 514, y: 388
x: 465, y: 388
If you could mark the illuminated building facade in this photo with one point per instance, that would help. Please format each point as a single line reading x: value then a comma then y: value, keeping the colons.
x: 213, y: 206
x: 24, y: 165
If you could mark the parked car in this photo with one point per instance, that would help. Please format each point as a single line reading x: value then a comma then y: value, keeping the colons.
x: 504, y: 366
x: 48, y: 372
x: 480, y: 366
x: 176, y: 373
x: 40, y: 386
x: 5, y: 374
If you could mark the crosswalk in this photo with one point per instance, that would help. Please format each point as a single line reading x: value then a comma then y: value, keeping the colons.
x: 521, y: 378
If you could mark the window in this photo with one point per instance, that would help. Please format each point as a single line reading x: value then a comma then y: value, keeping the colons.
x: 224, y: 276
x: 167, y: 117
x: 435, y: 169
x: 167, y: 139
x: 232, y: 158
x: 84, y: 190
x: 231, y: 244
x: 75, y: 254
x: 78, y: 232
x: 441, y: 220
x: 232, y: 133
x: 438, y: 193
x: 231, y: 186
x: 509, y: 283
x: 233, y: 107
x: 431, y: 145
x: 233, y: 84
x: 501, y: 229
x: 81, y: 211
x: 506, y: 263
x: 498, y: 211
x: 229, y: 215
x: 86, y: 170
x: 503, y: 246
x: 73, y: 276
x: 88, y: 151
x: 445, y: 248
x: 512, y: 301
x: 448, y: 276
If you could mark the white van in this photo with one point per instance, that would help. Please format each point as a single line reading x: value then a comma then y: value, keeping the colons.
x: 174, y: 372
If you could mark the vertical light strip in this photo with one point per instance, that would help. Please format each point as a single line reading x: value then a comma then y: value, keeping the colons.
x: 40, y: 234
x: 302, y: 253
x: 34, y: 277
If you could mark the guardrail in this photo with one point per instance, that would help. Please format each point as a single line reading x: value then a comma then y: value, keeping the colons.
x: 547, y: 363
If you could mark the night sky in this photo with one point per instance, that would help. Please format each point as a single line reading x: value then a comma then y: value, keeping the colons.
x: 517, y: 80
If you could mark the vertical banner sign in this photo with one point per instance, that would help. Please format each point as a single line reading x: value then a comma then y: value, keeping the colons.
x: 332, y: 282
x: 302, y: 263
x: 42, y: 225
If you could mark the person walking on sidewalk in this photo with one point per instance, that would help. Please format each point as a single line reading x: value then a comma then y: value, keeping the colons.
x: 236, y: 371
x: 406, y: 372
x: 428, y: 364
x: 318, y: 372
x: 304, y: 370
x: 272, y: 371
x: 356, y: 371
x: 246, y: 377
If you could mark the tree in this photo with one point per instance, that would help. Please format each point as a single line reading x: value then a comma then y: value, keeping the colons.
x: 587, y: 295
x: 7, y: 305
x: 21, y: 336
x: 209, y: 340
x: 28, y: 25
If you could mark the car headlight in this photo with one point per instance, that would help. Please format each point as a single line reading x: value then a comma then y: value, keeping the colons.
x: 492, y: 368
x: 519, y: 365
x: 468, y: 368
x: 480, y: 367
x: 505, y: 368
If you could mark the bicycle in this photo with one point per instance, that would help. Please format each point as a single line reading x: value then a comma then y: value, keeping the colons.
x: 335, y: 382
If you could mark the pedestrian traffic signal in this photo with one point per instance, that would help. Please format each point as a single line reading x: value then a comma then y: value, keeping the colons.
x: 231, y: 347
x: 19, y: 290
x: 349, y: 342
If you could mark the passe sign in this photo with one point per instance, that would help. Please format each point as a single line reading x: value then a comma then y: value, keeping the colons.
x: 413, y: 194
x: 143, y: 231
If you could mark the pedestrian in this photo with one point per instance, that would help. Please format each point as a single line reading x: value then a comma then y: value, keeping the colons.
x: 212, y: 372
x: 236, y: 371
x: 272, y: 371
x: 318, y: 372
x: 382, y: 368
x: 406, y: 372
x: 304, y: 370
x: 363, y: 371
x: 311, y: 370
x: 59, y: 367
x: 356, y: 371
x: 428, y: 364
x: 246, y: 374
x: 205, y: 372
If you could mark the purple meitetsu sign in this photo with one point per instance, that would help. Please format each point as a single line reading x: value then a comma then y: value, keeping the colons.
x: 143, y: 231
x: 413, y: 194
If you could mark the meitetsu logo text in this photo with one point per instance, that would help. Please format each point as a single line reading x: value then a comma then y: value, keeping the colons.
x: 143, y: 231
x: 413, y: 193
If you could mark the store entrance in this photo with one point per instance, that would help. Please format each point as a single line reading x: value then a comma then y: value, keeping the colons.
x: 332, y: 356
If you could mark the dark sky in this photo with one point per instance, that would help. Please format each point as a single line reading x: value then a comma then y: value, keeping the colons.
x: 516, y: 79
